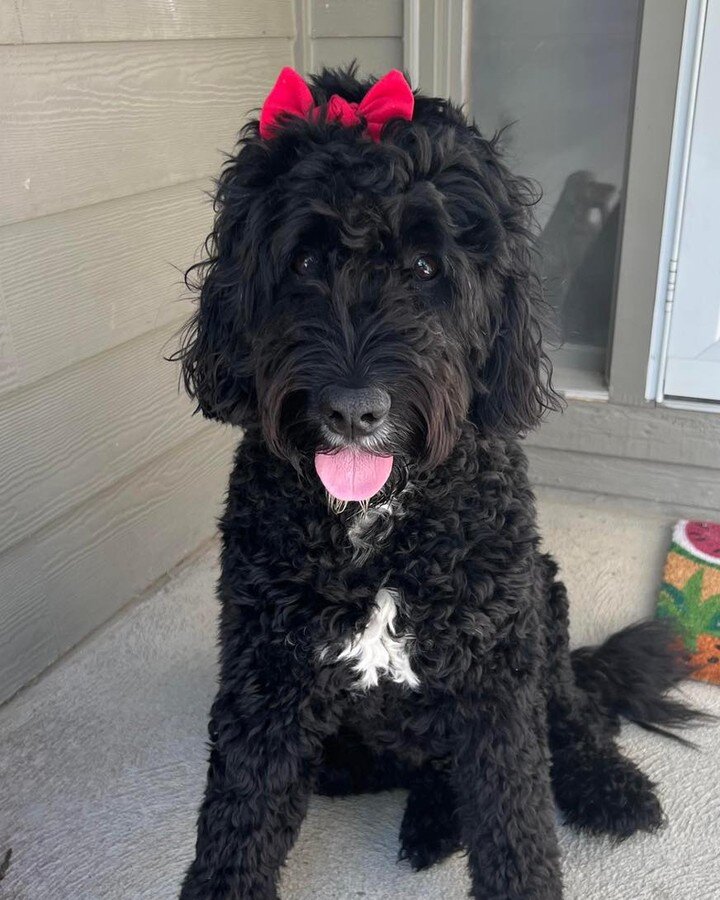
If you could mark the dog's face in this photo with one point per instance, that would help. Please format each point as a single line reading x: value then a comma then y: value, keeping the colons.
x: 364, y: 299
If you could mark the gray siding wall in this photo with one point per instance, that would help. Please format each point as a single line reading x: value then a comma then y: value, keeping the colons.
x: 112, y: 119
x: 645, y: 457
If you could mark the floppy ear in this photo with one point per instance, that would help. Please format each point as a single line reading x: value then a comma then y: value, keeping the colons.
x: 215, y: 350
x: 515, y: 387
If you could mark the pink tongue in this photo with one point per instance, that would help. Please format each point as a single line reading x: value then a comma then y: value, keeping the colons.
x: 352, y: 474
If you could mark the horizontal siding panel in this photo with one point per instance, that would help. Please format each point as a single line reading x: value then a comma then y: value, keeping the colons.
x: 349, y: 18
x: 9, y: 363
x: 376, y: 55
x: 70, y: 578
x: 54, y: 21
x: 10, y: 30
x: 107, y: 273
x: 70, y: 436
x: 674, y: 487
x: 654, y: 434
x: 84, y: 123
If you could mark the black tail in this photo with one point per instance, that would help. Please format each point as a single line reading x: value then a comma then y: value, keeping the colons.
x: 631, y: 674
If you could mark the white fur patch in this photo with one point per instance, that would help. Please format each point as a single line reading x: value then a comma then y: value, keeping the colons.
x: 377, y: 650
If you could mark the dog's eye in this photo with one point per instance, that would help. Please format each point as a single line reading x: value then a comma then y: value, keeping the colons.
x: 425, y: 267
x: 305, y: 264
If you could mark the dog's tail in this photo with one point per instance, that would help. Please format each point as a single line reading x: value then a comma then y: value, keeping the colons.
x: 631, y: 674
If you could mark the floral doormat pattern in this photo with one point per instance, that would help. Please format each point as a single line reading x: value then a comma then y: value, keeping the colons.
x: 690, y: 594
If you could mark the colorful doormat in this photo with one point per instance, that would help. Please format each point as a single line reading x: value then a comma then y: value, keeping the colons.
x: 690, y: 594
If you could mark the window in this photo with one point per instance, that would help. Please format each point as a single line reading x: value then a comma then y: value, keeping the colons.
x: 561, y: 74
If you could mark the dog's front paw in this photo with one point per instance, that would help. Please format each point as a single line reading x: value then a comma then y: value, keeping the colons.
x: 428, y: 834
x: 607, y: 795
x: 423, y: 850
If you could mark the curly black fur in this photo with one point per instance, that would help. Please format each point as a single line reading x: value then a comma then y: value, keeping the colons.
x: 498, y: 721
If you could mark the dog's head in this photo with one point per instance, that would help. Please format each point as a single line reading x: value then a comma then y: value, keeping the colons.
x: 364, y: 298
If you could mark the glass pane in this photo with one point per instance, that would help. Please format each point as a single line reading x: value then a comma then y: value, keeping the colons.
x: 561, y: 73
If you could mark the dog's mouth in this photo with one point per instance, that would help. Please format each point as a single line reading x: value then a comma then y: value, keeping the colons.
x: 351, y: 473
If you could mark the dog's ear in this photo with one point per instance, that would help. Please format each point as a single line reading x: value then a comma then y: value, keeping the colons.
x: 215, y: 347
x: 514, y: 384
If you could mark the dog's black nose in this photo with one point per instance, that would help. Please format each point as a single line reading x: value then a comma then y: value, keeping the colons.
x: 353, y: 412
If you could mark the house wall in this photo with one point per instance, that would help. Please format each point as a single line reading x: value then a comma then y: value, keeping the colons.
x: 662, y: 460
x: 113, y: 116
x: 113, y: 120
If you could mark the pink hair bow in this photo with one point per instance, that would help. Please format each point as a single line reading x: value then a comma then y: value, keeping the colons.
x: 389, y: 98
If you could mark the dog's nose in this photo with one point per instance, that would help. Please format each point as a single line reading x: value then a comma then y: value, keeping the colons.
x: 354, y: 412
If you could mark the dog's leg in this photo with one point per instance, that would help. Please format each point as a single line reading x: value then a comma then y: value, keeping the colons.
x: 501, y: 779
x: 266, y: 736
x: 596, y: 787
x: 349, y: 766
x: 601, y: 791
x: 429, y: 831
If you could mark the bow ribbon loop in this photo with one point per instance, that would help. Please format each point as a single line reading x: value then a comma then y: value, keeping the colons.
x: 389, y: 98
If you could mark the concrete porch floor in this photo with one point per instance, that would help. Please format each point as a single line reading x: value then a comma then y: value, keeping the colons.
x: 102, y: 761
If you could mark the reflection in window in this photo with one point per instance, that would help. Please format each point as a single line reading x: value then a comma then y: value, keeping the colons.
x: 561, y: 73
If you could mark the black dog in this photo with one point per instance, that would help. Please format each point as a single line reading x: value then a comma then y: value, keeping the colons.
x: 369, y: 315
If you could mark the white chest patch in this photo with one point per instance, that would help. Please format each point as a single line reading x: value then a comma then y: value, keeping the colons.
x: 378, y: 650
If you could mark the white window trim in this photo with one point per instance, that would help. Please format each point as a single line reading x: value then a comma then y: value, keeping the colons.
x: 680, y: 150
x: 436, y: 40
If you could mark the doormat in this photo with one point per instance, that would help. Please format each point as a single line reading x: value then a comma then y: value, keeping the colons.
x: 690, y: 594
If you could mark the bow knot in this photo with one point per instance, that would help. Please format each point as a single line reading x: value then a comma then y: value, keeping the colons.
x: 389, y: 98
